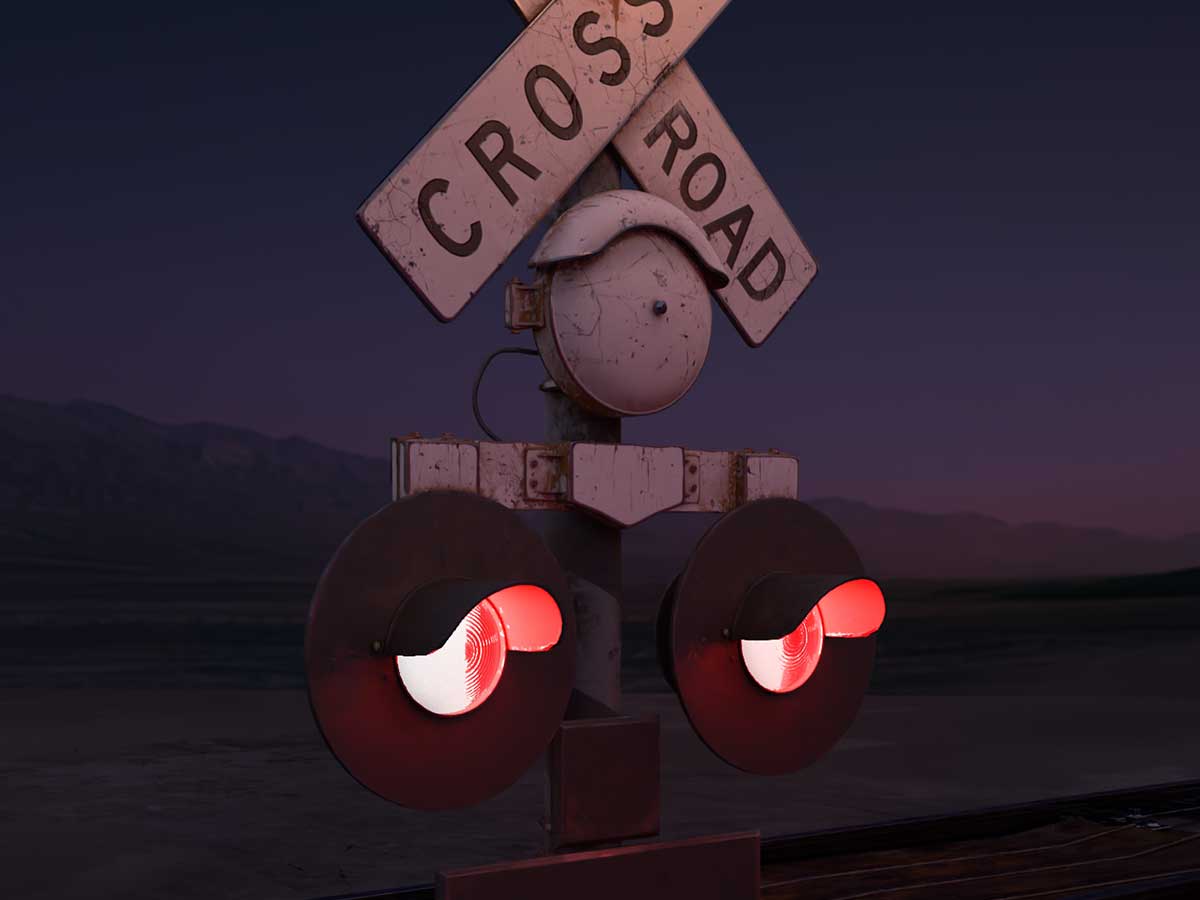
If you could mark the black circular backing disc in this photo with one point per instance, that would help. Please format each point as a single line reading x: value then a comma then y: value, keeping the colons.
x: 747, y: 726
x: 384, y: 739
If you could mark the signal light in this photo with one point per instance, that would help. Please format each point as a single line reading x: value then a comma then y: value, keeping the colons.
x: 463, y: 672
x: 532, y: 622
x: 853, y: 610
x: 784, y: 664
x: 440, y: 650
x: 769, y: 653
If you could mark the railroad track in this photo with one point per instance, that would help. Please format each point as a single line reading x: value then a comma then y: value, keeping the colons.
x: 1142, y: 842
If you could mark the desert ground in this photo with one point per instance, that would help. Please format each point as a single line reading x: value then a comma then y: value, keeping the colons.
x: 157, y: 738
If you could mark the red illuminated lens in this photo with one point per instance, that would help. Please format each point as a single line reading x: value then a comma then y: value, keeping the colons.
x: 853, y: 610
x: 532, y: 621
x: 782, y: 666
x: 463, y: 672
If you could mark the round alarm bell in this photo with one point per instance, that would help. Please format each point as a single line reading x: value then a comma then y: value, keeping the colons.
x: 625, y: 313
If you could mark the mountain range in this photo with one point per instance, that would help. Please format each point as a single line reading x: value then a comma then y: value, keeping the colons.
x: 90, y: 485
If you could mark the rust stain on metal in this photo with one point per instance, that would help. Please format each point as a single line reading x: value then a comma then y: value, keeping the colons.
x: 546, y: 472
x: 769, y: 475
x: 502, y: 477
x: 691, y: 477
x: 524, y: 306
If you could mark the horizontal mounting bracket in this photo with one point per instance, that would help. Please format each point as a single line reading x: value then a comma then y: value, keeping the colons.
x: 623, y: 484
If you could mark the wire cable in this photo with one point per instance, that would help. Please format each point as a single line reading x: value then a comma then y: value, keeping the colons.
x: 522, y: 351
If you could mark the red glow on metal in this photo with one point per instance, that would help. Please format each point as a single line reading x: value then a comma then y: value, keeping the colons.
x: 782, y: 666
x: 853, y: 610
x: 532, y: 621
x: 460, y: 675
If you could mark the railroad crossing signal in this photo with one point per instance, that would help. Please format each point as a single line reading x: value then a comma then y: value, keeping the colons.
x: 441, y: 643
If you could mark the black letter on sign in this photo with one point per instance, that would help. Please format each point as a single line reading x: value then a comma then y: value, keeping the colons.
x: 734, y: 226
x: 562, y: 132
x: 431, y: 190
x: 595, y: 48
x: 494, y: 165
x: 752, y: 267
x: 689, y: 175
x: 675, y: 140
x: 665, y: 24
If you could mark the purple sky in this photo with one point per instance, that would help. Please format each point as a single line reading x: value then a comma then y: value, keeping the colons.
x: 1003, y: 201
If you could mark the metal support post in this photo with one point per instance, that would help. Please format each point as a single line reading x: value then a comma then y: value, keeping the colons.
x: 587, y: 548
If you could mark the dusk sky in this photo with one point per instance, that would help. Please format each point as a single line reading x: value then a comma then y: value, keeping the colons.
x: 1003, y: 199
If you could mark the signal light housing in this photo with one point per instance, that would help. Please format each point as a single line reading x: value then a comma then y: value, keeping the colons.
x: 440, y: 650
x: 769, y: 654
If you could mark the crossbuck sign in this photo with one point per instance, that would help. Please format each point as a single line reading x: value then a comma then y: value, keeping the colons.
x: 583, y: 75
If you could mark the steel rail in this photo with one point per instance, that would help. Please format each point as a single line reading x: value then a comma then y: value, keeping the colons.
x: 995, y: 876
x: 824, y: 876
x: 1164, y: 880
x: 1016, y: 851
x: 981, y: 823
